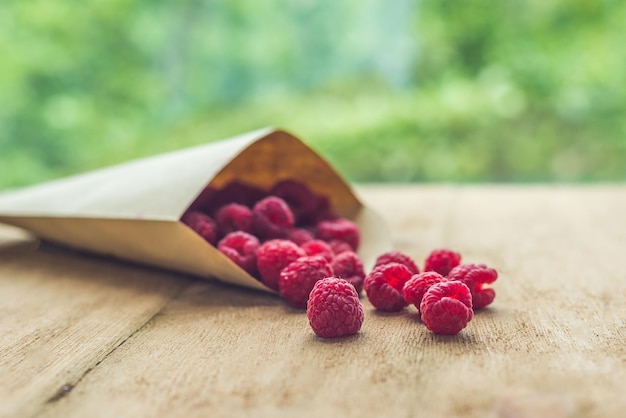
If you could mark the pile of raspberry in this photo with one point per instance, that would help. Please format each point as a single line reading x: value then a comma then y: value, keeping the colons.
x: 446, y: 293
x: 287, y: 237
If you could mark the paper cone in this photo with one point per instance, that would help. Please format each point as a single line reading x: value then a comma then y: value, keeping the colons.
x: 132, y: 211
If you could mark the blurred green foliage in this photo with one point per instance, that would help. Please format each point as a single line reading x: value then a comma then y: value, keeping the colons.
x: 435, y: 90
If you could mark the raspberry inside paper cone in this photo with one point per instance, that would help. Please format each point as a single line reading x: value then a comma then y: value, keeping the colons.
x: 263, y: 231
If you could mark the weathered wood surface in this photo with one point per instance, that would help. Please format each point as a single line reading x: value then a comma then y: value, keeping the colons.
x: 83, y: 336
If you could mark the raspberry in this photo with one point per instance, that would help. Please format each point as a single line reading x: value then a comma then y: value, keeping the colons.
x: 202, y: 224
x: 384, y: 286
x: 341, y: 229
x: 323, y: 212
x: 272, y: 218
x: 348, y: 266
x: 203, y: 201
x: 237, y: 192
x: 298, y: 278
x: 234, y: 217
x: 397, y: 257
x: 298, y: 196
x: 300, y: 235
x: 475, y: 276
x: 334, y: 309
x: 318, y: 247
x: 442, y: 261
x: 413, y: 290
x: 241, y: 248
x: 447, y: 307
x: 339, y: 246
x: 273, y: 256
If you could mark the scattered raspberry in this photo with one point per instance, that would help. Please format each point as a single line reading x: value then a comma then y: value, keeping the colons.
x: 384, y: 286
x: 397, y: 257
x: 348, y: 266
x: 298, y: 196
x: 318, y: 247
x: 202, y: 224
x: 339, y: 246
x: 340, y: 229
x: 447, y: 307
x: 413, y: 290
x: 298, y: 278
x: 241, y: 248
x: 476, y: 276
x: 300, y: 235
x: 273, y: 256
x: 334, y: 309
x: 442, y: 261
x: 234, y: 217
x: 272, y: 218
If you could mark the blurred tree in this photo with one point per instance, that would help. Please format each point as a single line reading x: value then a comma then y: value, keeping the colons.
x: 446, y: 90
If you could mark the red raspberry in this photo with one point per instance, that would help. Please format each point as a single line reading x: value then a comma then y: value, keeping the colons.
x: 476, y: 276
x: 300, y: 235
x: 272, y: 218
x: 339, y: 246
x: 323, y: 212
x: 348, y: 266
x: 384, y: 286
x: 202, y: 224
x: 241, y: 248
x: 397, y: 257
x: 203, y: 202
x: 273, y: 256
x: 237, y: 192
x: 413, y: 290
x: 234, y: 217
x: 334, y: 309
x: 298, y: 196
x: 442, y: 261
x: 341, y: 229
x: 298, y: 278
x: 318, y: 247
x: 447, y: 307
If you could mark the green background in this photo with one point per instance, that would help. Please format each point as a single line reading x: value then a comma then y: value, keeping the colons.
x: 398, y: 91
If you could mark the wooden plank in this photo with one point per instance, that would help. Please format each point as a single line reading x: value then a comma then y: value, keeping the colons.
x: 61, y: 313
x: 551, y: 345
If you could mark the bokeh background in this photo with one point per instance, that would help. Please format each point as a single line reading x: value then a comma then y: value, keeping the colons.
x: 389, y: 91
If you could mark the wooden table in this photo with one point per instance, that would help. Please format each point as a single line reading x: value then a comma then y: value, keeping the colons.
x: 82, y: 336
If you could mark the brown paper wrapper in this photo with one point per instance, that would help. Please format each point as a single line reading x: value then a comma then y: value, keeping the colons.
x: 132, y: 211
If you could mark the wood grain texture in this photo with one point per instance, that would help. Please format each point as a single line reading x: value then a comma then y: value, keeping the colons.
x: 552, y: 345
x: 61, y: 313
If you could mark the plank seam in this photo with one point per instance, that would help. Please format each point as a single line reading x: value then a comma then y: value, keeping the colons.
x: 67, y: 388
